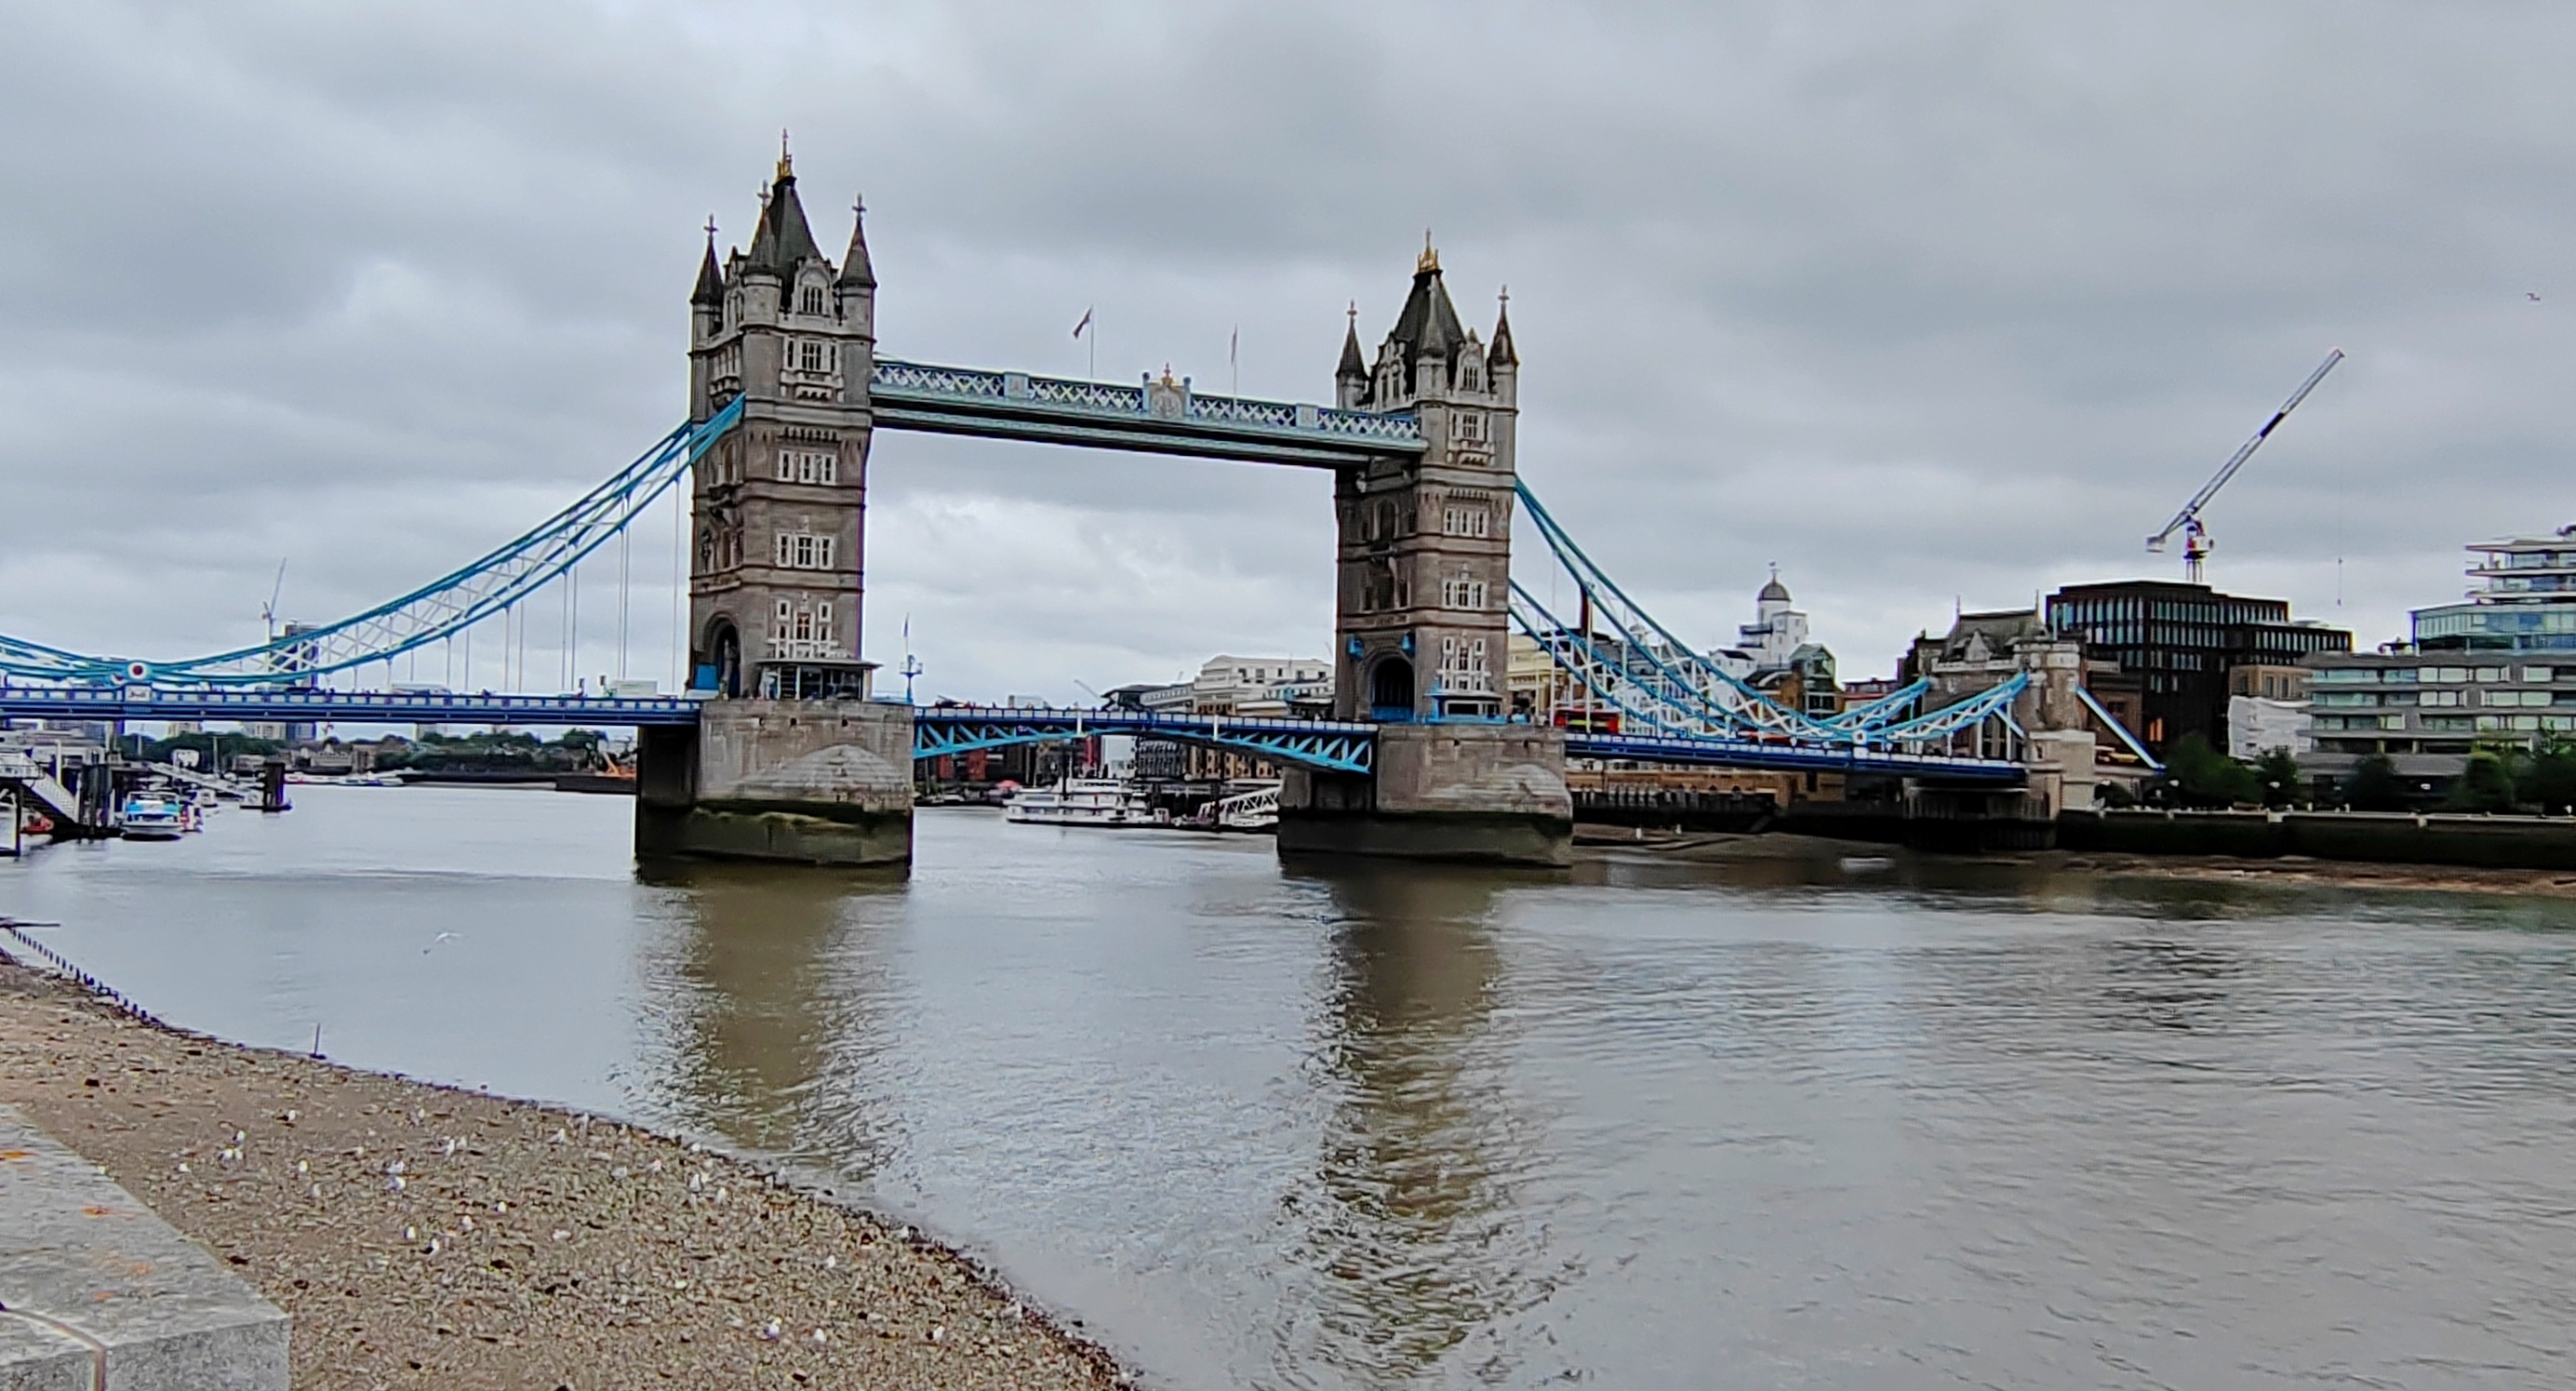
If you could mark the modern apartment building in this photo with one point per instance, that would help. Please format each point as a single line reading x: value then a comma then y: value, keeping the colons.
x: 2496, y: 670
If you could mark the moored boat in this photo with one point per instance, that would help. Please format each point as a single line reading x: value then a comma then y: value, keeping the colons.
x: 1081, y: 802
x: 152, y: 816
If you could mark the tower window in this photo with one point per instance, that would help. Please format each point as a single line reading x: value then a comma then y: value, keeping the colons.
x: 811, y: 301
x: 1466, y: 521
x: 808, y: 466
x: 797, y: 550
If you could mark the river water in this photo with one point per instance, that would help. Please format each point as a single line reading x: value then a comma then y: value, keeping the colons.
x: 1818, y: 1123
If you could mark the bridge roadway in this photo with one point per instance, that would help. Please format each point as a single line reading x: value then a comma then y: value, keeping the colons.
x: 1340, y: 746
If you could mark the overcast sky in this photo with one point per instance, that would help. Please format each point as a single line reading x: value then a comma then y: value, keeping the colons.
x: 1933, y: 304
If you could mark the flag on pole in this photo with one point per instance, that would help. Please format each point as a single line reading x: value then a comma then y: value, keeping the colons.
x: 1086, y: 322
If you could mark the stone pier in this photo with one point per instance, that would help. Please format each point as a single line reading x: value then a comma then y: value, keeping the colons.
x: 1482, y: 792
x: 824, y: 782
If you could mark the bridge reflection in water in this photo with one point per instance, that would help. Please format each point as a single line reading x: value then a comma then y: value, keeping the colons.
x: 1416, y: 1237
x: 771, y: 1009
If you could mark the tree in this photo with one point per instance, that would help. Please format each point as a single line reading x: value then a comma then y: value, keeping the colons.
x: 2278, y: 773
x: 2548, y: 776
x: 2485, y: 785
x: 2201, y: 776
x: 2374, y: 785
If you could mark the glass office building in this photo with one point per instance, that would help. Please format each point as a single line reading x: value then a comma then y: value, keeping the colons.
x: 2180, y: 641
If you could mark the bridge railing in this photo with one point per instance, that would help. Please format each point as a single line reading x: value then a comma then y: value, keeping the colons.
x: 900, y: 380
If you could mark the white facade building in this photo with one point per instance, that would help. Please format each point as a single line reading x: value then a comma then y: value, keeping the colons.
x: 2256, y: 726
x: 1777, y: 630
x: 1260, y: 685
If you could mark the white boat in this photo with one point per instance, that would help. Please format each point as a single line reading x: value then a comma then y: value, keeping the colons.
x: 151, y: 816
x: 1081, y: 802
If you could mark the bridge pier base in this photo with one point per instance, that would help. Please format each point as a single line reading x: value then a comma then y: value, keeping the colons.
x: 822, y: 782
x: 1470, y: 791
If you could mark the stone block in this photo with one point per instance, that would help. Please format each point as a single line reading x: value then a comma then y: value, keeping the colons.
x: 808, y: 781
x: 97, y: 1292
x: 1491, y: 793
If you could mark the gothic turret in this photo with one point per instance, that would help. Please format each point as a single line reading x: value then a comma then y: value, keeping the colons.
x: 856, y: 273
x: 711, y: 286
x: 1350, y: 380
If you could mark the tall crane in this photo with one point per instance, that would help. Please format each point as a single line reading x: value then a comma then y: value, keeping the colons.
x: 2195, y: 537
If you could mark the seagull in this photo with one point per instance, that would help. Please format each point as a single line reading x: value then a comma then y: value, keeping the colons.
x: 2532, y: 295
x: 442, y: 937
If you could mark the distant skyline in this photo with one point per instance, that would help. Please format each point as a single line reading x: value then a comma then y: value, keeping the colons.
x: 1940, y: 306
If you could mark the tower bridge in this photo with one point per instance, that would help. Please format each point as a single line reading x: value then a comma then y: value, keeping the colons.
x: 779, y: 750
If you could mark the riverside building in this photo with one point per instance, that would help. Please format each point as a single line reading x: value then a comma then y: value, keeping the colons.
x: 2495, y: 670
x: 2180, y: 641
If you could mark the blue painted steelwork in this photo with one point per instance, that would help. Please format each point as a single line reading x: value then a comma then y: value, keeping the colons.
x: 2119, y: 730
x: 1696, y: 692
x: 442, y: 607
x: 1155, y: 418
x: 1663, y: 690
x: 1790, y: 756
x: 1887, y: 709
x: 1337, y: 745
x: 351, y: 707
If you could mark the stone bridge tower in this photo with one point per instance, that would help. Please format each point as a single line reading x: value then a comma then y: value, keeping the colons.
x: 1422, y: 623
x: 1425, y: 544
x: 780, y: 503
x: 789, y: 760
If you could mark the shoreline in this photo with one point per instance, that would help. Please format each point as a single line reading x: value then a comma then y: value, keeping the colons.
x: 1720, y: 847
x: 423, y: 1235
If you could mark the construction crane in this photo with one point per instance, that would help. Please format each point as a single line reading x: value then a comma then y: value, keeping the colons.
x: 2195, y: 537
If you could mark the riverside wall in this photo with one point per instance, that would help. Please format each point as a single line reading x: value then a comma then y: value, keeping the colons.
x: 2491, y: 842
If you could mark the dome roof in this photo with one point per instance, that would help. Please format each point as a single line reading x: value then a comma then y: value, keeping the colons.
x: 1773, y: 591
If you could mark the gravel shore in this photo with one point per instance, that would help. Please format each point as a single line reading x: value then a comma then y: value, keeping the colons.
x: 423, y: 1236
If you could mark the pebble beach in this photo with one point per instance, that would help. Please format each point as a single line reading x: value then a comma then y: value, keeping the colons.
x: 424, y: 1236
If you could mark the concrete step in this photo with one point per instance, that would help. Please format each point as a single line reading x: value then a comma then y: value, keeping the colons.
x: 98, y: 1294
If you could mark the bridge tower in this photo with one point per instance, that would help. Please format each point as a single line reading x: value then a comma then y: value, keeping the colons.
x: 780, y: 502
x: 791, y: 759
x: 1422, y: 625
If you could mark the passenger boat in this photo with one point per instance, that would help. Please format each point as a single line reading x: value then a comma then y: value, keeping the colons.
x: 151, y: 816
x: 1081, y: 802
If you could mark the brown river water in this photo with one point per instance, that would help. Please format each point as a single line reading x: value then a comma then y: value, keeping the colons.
x: 1821, y: 1123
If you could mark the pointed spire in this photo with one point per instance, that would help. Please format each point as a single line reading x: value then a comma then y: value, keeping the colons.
x: 1428, y: 323
x: 1354, y: 367
x: 856, y: 273
x: 710, y: 289
x: 1502, y: 350
x: 783, y: 238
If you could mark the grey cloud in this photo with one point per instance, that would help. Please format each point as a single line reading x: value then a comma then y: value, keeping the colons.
x: 1943, y: 300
